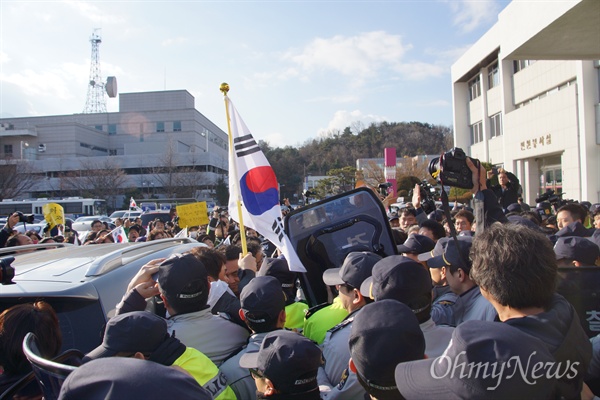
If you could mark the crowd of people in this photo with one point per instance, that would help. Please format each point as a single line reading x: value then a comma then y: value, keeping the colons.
x: 468, y: 308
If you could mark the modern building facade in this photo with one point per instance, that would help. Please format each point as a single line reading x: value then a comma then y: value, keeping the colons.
x: 526, y: 97
x: 155, y: 137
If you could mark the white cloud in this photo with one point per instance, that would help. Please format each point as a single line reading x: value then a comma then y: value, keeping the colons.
x: 174, y: 41
x: 470, y: 14
x: 357, y: 56
x: 93, y: 13
x: 342, y: 119
x: 4, y: 58
x: 421, y: 70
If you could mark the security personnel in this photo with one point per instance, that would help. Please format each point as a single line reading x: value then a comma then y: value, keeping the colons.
x: 321, y: 318
x: 334, y: 378
x: 144, y: 335
x: 294, y: 310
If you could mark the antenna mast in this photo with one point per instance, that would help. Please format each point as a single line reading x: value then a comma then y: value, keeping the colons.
x: 95, y: 102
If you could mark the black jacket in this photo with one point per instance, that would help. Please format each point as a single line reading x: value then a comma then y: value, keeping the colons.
x: 559, y: 327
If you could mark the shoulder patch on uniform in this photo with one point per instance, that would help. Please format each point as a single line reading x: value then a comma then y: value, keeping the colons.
x: 345, y: 375
x: 342, y: 324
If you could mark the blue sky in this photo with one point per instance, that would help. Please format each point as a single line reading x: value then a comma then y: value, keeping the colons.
x: 297, y: 69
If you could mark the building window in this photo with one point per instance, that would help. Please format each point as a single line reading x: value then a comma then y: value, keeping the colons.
x: 493, y: 75
x: 112, y: 152
x: 98, y: 127
x: 8, y: 149
x: 474, y: 88
x: 521, y: 64
x: 496, y: 125
x: 176, y: 126
x: 160, y: 127
x: 476, y: 132
x: 112, y: 129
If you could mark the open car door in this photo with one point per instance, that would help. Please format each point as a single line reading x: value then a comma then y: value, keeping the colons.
x: 324, y: 232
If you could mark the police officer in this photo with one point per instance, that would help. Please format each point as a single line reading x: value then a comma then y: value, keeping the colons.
x: 334, y: 379
x: 144, y: 335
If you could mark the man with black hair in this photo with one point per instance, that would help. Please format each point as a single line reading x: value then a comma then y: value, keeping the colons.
x: 262, y: 308
x: 432, y: 229
x: 407, y: 216
x: 182, y: 282
x: 570, y: 213
x: 134, y: 233
x: 515, y: 268
x: 463, y: 220
x: 143, y: 335
x: 507, y: 190
x: 221, y: 299
x: 334, y: 379
x: 468, y: 303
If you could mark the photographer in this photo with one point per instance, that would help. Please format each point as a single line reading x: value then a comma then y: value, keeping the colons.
x: 7, y: 231
x: 507, y: 190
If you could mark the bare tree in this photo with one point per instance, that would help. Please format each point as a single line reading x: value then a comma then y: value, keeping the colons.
x: 96, y: 179
x: 188, y: 180
x: 17, y: 177
x: 167, y: 170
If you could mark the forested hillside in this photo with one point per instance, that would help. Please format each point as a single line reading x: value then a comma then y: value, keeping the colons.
x: 319, y: 156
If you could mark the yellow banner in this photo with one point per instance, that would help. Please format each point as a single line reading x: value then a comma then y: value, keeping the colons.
x: 192, y: 214
x: 54, y: 214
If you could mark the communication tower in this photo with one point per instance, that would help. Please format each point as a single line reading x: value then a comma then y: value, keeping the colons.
x: 96, y: 102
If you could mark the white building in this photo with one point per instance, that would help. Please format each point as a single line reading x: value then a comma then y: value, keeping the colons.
x: 150, y: 130
x: 526, y: 97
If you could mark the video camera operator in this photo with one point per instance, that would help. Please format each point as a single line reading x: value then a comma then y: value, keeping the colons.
x: 7, y: 231
x: 507, y: 190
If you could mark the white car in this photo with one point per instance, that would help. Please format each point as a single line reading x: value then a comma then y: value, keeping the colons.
x: 85, y: 223
x: 130, y: 214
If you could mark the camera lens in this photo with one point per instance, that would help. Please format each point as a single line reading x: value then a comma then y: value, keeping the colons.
x: 434, y: 167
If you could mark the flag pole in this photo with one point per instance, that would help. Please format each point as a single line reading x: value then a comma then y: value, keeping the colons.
x: 233, y: 169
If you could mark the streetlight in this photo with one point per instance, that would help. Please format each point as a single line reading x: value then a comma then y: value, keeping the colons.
x: 149, y: 185
x: 23, y: 145
x: 205, y: 133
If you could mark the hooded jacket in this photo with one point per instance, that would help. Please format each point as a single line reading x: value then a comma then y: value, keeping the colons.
x: 559, y: 327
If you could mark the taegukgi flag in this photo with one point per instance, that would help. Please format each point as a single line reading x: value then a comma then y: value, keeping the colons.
x: 253, y: 182
x: 119, y: 235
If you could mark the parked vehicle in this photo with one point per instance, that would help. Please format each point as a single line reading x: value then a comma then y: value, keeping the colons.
x: 148, y: 216
x: 83, y: 224
x: 82, y: 283
x: 124, y: 214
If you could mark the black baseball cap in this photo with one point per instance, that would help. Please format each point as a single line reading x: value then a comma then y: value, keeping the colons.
x: 493, y: 346
x: 134, y: 331
x: 437, y: 250
x: 356, y: 268
x: 384, y: 333
x: 288, y: 359
x: 278, y: 268
x: 577, y: 248
x: 116, y: 378
x: 402, y: 279
x: 183, y: 278
x: 416, y: 244
x: 262, y: 299
x: 453, y: 255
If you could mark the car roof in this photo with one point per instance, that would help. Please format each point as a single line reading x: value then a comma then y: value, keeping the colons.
x: 67, y: 268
